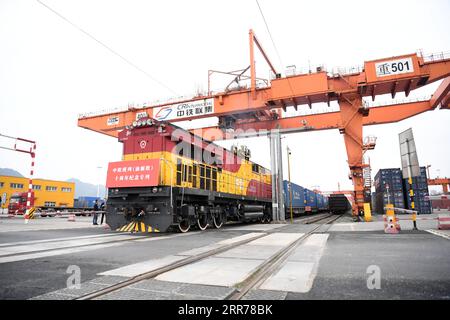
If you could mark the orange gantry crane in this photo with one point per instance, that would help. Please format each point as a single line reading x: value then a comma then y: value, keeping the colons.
x: 257, y: 107
x: 444, y: 182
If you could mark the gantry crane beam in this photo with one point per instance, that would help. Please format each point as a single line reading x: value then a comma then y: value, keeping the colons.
x: 258, y: 108
x: 321, y: 121
x: 290, y: 91
x: 444, y: 182
x: 441, y: 95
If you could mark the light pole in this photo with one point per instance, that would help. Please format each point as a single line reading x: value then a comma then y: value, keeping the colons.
x: 98, y: 184
x: 171, y: 180
x: 289, y: 177
x: 428, y: 171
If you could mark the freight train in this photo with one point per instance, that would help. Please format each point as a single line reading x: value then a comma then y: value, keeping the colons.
x: 338, y: 204
x: 170, y: 178
x: 304, y: 201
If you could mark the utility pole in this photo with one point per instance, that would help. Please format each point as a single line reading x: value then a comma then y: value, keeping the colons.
x: 290, y: 185
x: 98, y: 183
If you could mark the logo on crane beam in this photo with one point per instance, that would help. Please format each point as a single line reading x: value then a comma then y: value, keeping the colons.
x: 163, y: 113
x: 185, y: 110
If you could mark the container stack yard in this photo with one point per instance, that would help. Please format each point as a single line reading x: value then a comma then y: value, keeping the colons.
x: 392, y: 188
x: 388, y: 189
x: 420, y: 191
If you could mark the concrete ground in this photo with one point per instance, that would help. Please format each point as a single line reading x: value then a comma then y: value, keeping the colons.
x: 342, y: 261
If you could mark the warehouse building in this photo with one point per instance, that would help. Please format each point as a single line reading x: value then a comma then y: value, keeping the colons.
x: 47, y: 193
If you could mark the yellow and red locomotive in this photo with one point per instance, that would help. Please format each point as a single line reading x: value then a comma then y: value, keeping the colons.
x: 170, y: 178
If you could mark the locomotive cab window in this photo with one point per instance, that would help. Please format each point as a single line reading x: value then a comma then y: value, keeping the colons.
x: 214, y: 179
x: 202, y: 176
x: 194, y: 175
x: 179, y: 168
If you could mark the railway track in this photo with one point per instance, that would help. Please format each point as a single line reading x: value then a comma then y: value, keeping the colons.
x: 242, y: 288
x: 274, y: 263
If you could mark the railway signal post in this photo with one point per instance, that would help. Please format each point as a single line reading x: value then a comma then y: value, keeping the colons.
x: 32, y: 152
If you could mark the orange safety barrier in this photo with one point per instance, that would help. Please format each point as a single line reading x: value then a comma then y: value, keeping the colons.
x: 444, y: 221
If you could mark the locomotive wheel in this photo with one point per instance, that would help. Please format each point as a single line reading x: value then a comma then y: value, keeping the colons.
x: 267, y: 219
x: 202, y: 222
x: 218, y: 220
x: 184, y: 226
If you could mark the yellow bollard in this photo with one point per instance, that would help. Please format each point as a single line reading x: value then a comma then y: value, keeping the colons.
x: 367, y: 212
x: 414, y: 218
x: 389, y: 211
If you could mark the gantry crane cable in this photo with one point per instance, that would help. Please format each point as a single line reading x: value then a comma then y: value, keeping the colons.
x: 273, y: 43
x: 107, y: 47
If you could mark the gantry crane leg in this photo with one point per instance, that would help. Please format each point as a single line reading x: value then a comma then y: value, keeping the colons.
x: 351, y: 127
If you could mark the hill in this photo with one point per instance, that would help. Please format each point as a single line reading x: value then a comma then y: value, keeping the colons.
x: 10, y: 172
x: 87, y: 189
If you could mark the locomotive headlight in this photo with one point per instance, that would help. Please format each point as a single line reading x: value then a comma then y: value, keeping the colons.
x: 155, y: 190
x: 135, y: 123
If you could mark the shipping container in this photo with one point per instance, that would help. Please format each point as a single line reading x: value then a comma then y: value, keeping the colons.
x: 399, y: 190
x: 419, y: 182
x: 319, y: 201
x: 311, y: 199
x: 422, y: 205
x: 388, y: 178
x: 85, y: 202
x: 395, y: 198
x: 325, y: 202
x: 298, y: 197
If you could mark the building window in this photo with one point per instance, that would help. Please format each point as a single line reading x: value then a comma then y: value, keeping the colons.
x: 49, y: 204
x: 16, y: 185
x: 66, y: 189
x: 36, y: 187
x: 51, y: 188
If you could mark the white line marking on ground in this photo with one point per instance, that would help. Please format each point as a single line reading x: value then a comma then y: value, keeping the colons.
x: 21, y: 249
x: 55, y: 239
x: 439, y: 233
x: 255, y: 227
x: 95, y: 246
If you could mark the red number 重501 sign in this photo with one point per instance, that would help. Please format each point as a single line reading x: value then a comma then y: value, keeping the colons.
x: 133, y: 173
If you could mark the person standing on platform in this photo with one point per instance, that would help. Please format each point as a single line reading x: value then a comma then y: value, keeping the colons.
x: 102, y: 209
x: 94, y: 222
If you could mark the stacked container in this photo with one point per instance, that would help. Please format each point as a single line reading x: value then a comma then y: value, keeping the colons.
x: 388, y: 189
x: 420, y: 189
x: 399, y: 190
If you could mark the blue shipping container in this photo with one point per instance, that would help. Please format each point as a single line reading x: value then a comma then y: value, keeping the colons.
x: 311, y: 199
x: 87, y: 202
x: 298, y: 197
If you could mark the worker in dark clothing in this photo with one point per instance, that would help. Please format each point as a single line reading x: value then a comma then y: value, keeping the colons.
x: 94, y: 222
x: 102, y: 209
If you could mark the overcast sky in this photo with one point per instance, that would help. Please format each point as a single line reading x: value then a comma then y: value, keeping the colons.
x: 50, y: 72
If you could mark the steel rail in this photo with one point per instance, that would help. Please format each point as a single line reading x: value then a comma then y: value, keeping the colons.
x: 172, y: 266
x: 161, y: 270
x: 271, y: 264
